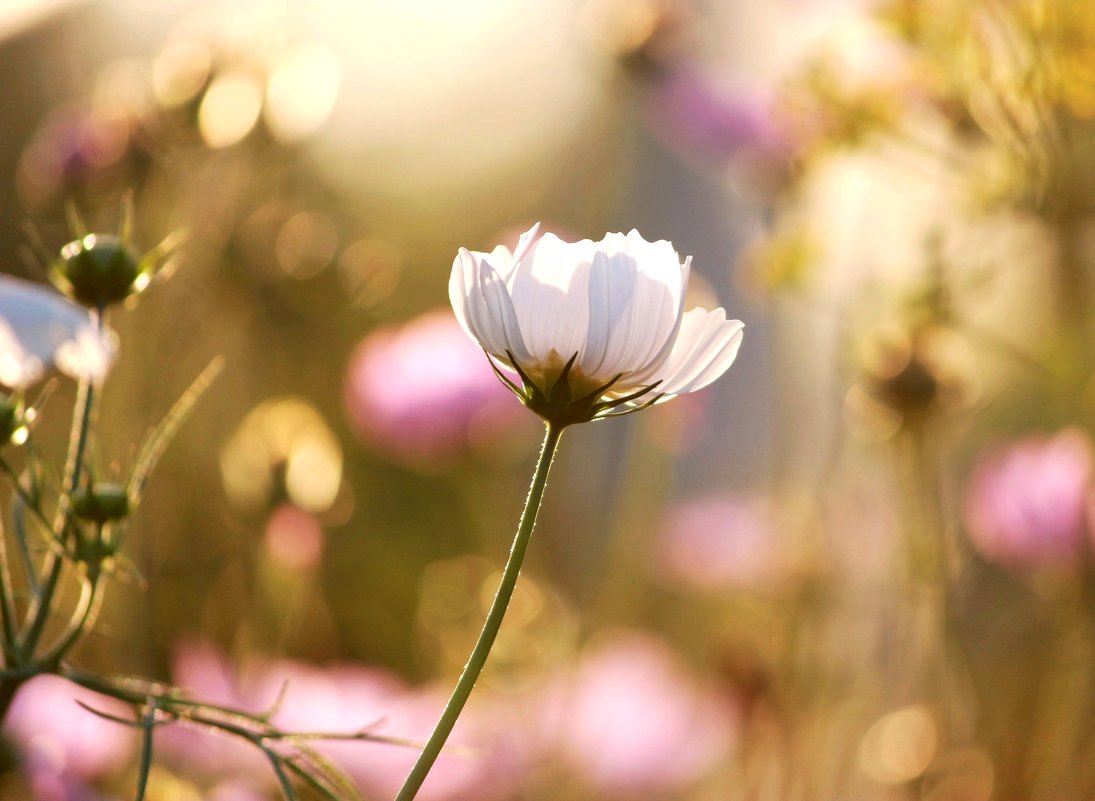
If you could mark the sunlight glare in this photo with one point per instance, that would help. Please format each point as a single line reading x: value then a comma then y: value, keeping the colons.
x: 180, y: 72
x: 899, y: 746
x: 229, y: 109
x: 301, y: 93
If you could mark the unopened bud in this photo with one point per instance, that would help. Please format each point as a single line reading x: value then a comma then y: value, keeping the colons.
x: 15, y: 420
x: 99, y: 270
x: 10, y: 421
x: 101, y: 503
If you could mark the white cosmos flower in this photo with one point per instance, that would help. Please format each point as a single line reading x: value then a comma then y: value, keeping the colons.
x: 592, y: 328
x: 39, y: 329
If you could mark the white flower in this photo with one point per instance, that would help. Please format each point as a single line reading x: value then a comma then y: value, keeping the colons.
x: 592, y: 328
x: 39, y: 329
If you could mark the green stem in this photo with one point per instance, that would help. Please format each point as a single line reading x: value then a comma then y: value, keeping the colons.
x: 9, y: 643
x: 42, y: 603
x: 21, y: 503
x: 497, y: 611
x: 22, y: 653
x: 21, y: 491
x: 87, y: 610
x: 144, y: 767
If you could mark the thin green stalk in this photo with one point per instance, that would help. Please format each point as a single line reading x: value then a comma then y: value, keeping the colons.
x: 85, y: 613
x: 144, y: 767
x: 41, y: 605
x: 19, y: 523
x: 21, y: 491
x: 493, y: 622
x: 23, y: 501
x: 9, y: 642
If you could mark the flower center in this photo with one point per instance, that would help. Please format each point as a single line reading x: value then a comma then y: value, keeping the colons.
x: 563, y: 395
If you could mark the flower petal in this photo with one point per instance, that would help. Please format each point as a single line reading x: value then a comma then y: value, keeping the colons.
x: 636, y: 289
x: 673, y: 324
x: 491, y: 310
x: 660, y: 269
x: 475, y: 315
x: 41, y: 329
x: 526, y: 243
x: 86, y: 355
x: 548, y: 287
x: 461, y: 283
x: 706, y: 346
x: 18, y: 368
x: 482, y: 305
x: 611, y: 287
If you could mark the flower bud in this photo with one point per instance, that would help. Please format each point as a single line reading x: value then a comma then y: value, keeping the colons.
x: 101, y: 503
x: 915, y: 374
x: 10, y: 419
x: 99, y: 270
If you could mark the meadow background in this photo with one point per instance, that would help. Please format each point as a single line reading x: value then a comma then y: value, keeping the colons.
x: 857, y: 568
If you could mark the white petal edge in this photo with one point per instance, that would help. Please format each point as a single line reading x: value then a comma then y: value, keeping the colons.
x: 706, y: 346
x: 461, y: 285
x: 465, y: 269
x: 18, y: 368
x: 528, y: 239
x: 483, y: 307
x: 654, y: 364
x: 640, y: 313
x: 490, y: 310
x: 45, y: 329
x: 86, y: 356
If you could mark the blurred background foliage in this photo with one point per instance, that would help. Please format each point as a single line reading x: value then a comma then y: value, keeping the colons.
x: 858, y: 567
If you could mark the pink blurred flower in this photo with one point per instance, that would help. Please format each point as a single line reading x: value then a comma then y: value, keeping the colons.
x: 695, y: 117
x: 337, y: 698
x: 233, y: 790
x: 1026, y: 504
x: 71, y: 149
x: 201, y: 670
x: 423, y: 391
x: 633, y: 722
x: 63, y: 744
x: 720, y: 541
x: 294, y: 538
x: 736, y: 130
x: 480, y: 761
